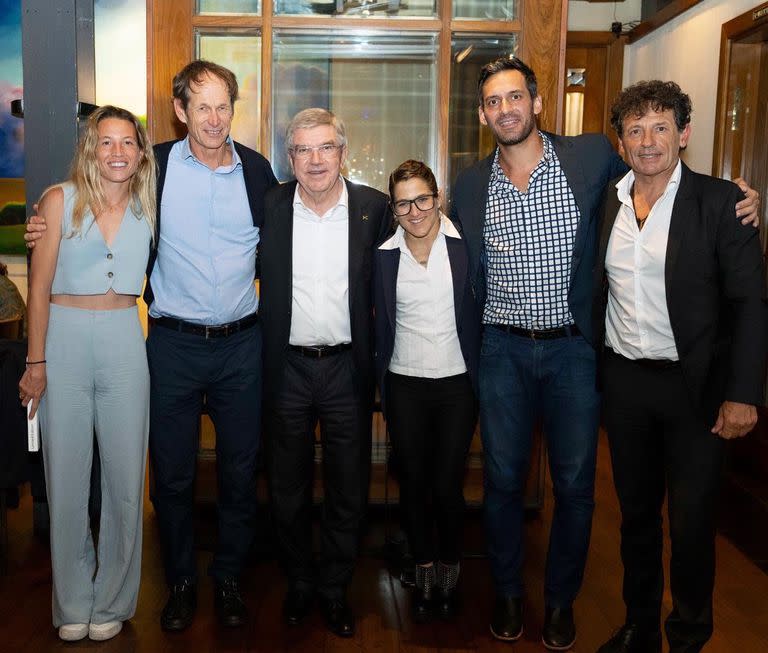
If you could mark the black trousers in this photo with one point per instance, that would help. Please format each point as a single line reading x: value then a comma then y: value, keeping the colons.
x: 659, y: 443
x: 319, y: 390
x: 431, y: 422
x: 227, y: 371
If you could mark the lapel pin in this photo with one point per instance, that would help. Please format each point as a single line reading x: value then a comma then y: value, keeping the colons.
x: 365, y: 217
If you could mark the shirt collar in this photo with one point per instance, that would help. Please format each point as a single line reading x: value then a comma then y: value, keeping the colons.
x: 186, y: 153
x: 547, y: 157
x: 625, y: 184
x: 343, y: 198
x: 397, y: 240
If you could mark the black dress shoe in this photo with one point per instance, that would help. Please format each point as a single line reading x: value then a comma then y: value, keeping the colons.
x: 296, y: 606
x: 630, y: 638
x: 559, y: 633
x: 338, y: 617
x: 230, y: 607
x: 422, y: 597
x: 447, y: 603
x: 180, y: 607
x: 507, y: 622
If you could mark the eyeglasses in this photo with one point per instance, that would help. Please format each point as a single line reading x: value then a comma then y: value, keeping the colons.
x: 326, y: 150
x: 422, y: 202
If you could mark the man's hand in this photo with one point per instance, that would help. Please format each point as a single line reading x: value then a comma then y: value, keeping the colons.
x: 735, y: 420
x: 749, y: 208
x: 35, y: 228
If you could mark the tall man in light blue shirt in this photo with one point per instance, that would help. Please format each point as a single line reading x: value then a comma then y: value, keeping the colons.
x: 205, y: 342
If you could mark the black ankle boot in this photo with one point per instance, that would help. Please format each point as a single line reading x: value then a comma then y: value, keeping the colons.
x: 422, y: 602
x: 447, y: 599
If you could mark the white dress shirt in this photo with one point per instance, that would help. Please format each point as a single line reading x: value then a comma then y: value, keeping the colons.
x: 637, y: 320
x: 320, y: 311
x: 426, y: 342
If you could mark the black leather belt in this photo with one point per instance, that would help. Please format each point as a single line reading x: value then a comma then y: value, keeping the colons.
x: 649, y: 363
x: 538, y: 334
x: 320, y: 351
x: 206, y: 330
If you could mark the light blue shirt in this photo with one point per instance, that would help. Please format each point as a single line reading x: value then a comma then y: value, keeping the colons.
x: 206, y: 254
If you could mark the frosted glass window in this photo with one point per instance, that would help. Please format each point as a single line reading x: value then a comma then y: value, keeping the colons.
x: 485, y: 9
x: 383, y: 86
x: 468, y: 141
x: 228, y: 6
x: 358, y: 8
x: 242, y: 55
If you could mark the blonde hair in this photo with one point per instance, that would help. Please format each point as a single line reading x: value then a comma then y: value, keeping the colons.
x: 86, y: 177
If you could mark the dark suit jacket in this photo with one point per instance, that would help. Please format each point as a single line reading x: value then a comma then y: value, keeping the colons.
x: 715, y: 287
x: 589, y: 163
x: 258, y: 176
x: 386, y: 266
x: 368, y: 222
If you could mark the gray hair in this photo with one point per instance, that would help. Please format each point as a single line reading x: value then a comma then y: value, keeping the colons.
x: 315, y: 117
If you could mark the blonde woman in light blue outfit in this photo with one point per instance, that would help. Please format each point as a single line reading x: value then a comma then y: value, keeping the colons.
x: 87, y: 369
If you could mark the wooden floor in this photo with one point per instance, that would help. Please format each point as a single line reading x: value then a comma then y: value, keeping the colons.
x: 741, y: 599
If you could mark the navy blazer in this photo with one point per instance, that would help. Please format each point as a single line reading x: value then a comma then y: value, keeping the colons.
x: 258, y: 176
x: 589, y: 163
x: 386, y: 265
x: 715, y: 289
x: 368, y: 222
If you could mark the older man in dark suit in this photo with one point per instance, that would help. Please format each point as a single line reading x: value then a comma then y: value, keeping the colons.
x: 316, y: 314
x: 680, y: 314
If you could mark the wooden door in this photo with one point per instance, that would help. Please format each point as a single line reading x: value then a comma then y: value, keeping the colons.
x: 741, y: 150
x: 594, y: 63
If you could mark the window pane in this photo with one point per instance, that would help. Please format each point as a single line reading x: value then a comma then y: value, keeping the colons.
x: 358, y: 8
x: 228, y: 6
x: 468, y: 141
x: 485, y: 9
x: 242, y: 55
x: 384, y: 87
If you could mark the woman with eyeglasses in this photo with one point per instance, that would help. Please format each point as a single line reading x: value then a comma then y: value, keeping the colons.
x: 427, y: 349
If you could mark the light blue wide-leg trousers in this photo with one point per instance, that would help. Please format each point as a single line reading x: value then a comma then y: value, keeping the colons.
x: 97, y: 378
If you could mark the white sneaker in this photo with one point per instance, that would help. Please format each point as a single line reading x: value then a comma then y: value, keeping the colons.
x: 73, y: 632
x: 101, y: 632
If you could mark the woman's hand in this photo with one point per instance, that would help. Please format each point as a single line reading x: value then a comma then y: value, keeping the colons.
x: 32, y: 386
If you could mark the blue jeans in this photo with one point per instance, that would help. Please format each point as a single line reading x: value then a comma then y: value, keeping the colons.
x: 520, y: 380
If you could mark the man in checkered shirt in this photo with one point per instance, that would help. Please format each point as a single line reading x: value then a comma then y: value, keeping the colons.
x: 529, y: 216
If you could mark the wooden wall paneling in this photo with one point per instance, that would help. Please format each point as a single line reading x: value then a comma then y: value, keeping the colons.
x: 544, y: 24
x: 443, y: 93
x: 731, y: 31
x: 609, y: 78
x: 170, y: 46
x: 266, y: 80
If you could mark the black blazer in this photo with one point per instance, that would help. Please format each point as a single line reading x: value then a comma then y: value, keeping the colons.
x: 368, y: 222
x: 589, y: 163
x: 258, y: 176
x: 716, y: 295
x: 386, y: 266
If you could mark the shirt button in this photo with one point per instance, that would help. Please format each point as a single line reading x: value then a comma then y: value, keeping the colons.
x: 109, y: 256
x: 110, y: 275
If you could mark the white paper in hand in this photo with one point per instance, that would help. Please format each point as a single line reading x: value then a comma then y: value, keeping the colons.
x: 33, y: 429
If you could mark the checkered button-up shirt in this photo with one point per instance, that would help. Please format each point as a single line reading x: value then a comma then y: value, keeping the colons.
x: 528, y: 239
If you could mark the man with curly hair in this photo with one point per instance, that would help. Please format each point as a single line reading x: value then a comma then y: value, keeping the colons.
x: 529, y: 214
x: 680, y: 317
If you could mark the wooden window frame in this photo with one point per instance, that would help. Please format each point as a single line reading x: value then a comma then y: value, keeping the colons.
x: 171, y: 25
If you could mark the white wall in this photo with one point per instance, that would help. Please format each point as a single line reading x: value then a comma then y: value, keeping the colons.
x: 687, y: 51
x: 598, y: 16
